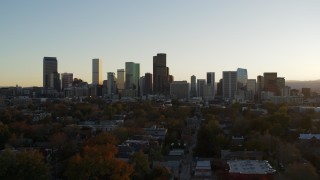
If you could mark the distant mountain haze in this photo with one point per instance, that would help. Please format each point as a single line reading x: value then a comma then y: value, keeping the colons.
x: 314, y: 85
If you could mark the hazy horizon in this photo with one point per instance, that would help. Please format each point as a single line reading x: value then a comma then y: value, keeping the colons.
x: 211, y: 36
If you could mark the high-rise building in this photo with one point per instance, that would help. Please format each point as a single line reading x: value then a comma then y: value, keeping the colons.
x: 171, y: 78
x: 55, y: 82
x: 121, y: 79
x: 242, y: 77
x: 50, y: 65
x: 66, y: 80
x: 270, y: 83
x: 147, y: 84
x: 260, y: 86
x: 211, y: 84
x: 111, y: 85
x: 179, y: 90
x: 229, y: 84
x: 281, y: 83
x: 132, y: 76
x: 142, y: 85
x: 193, y: 91
x: 160, y: 74
x: 220, y: 88
x: 96, y: 71
x: 251, y: 88
x: 306, y: 92
x: 200, y: 87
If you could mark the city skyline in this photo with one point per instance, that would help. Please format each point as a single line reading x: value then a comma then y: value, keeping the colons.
x: 212, y: 36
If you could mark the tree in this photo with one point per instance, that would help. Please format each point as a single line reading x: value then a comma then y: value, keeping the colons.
x: 97, y: 161
x: 141, y: 165
x: 22, y: 165
x: 4, y: 134
x: 297, y: 171
x: 160, y: 173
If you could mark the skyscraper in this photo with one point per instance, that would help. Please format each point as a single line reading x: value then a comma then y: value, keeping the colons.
x: 121, y: 79
x: 211, y: 84
x: 160, y: 74
x: 270, y: 82
x: 193, y: 92
x: 229, y: 84
x: 132, y: 75
x: 260, y: 86
x: 111, y: 83
x: 179, y: 90
x: 147, y: 84
x: 55, y: 82
x: 50, y: 65
x: 242, y: 78
x: 220, y: 88
x: 66, y: 80
x: 251, y: 88
x: 200, y: 87
x: 96, y: 71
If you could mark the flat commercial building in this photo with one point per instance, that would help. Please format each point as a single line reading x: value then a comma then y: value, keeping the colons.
x: 250, y: 169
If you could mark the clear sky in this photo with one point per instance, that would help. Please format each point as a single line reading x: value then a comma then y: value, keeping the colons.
x: 198, y: 36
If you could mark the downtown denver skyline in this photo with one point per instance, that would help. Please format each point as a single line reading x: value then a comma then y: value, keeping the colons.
x: 211, y: 36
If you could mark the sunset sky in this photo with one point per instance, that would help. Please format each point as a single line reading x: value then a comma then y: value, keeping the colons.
x: 198, y: 36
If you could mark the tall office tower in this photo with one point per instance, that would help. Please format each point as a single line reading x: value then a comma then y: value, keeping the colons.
x: 104, y: 87
x: 96, y: 71
x: 171, y: 79
x: 260, y: 86
x: 132, y: 76
x: 242, y: 77
x: 160, y: 74
x: 281, y: 84
x: 147, y: 84
x: 66, y: 80
x: 111, y: 85
x: 270, y: 83
x: 142, y: 85
x: 220, y: 88
x: 260, y: 83
x: 211, y: 83
x: 55, y: 82
x: 179, y: 90
x: 121, y: 79
x: 251, y: 88
x: 50, y: 65
x: 229, y: 84
x: 306, y: 92
x: 200, y: 87
x: 193, y: 90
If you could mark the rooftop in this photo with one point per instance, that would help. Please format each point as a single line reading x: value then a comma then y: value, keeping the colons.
x: 309, y: 136
x: 250, y: 167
